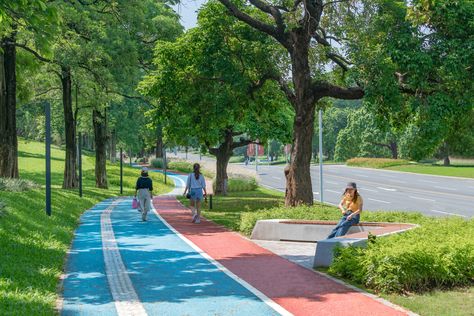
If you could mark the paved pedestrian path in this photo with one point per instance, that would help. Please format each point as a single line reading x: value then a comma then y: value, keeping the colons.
x: 119, y: 265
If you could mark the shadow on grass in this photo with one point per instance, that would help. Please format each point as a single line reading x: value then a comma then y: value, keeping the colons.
x: 38, y: 156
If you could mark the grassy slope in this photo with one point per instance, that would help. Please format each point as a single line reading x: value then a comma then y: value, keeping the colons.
x: 32, y: 245
x: 453, y: 171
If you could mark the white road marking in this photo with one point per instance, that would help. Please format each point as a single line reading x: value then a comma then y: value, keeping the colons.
x: 121, y: 287
x: 419, y: 198
x: 428, y: 181
x: 330, y: 182
x: 379, y: 201
x: 278, y: 178
x: 445, y: 188
x: 387, y: 189
x: 316, y: 193
x: 398, y: 181
x: 278, y: 308
x: 362, y: 175
x: 332, y: 191
x: 370, y: 190
x: 448, y: 213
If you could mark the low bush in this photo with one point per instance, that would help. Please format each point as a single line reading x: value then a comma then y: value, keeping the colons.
x: 157, y: 163
x: 439, y: 254
x: 236, y: 159
x: 239, y: 183
x: 17, y: 185
x: 182, y: 166
x: 376, y: 162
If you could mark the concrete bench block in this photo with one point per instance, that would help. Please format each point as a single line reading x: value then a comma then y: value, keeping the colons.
x: 325, y: 249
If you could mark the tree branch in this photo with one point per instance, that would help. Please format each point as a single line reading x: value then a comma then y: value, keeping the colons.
x: 242, y: 142
x: 325, y: 89
x: 35, y: 53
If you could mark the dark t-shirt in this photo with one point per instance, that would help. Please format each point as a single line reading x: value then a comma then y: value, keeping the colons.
x: 144, y: 183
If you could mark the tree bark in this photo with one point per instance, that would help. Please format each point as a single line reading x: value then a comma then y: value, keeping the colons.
x: 222, y: 154
x: 100, y: 134
x: 113, y: 146
x: 298, y: 186
x: 70, y: 168
x: 394, y: 149
x: 159, y: 142
x: 446, y: 160
x: 8, y: 136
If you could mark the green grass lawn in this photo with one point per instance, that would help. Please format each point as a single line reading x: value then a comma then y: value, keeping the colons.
x: 32, y: 245
x: 227, y: 210
x: 453, y: 171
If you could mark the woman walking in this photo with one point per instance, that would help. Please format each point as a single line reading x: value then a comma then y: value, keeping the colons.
x: 351, y: 207
x: 196, y: 185
x: 144, y: 187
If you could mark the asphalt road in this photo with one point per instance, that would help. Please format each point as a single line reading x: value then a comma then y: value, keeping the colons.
x: 384, y: 189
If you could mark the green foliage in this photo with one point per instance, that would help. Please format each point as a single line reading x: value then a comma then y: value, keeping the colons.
x: 16, y: 185
x: 439, y: 254
x: 376, y: 162
x: 157, y: 163
x: 240, y: 184
x: 182, y: 166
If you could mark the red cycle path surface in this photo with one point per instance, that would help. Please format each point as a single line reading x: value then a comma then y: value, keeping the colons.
x: 299, y: 290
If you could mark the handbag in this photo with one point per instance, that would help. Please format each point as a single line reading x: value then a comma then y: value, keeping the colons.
x: 134, y: 203
x: 188, y: 195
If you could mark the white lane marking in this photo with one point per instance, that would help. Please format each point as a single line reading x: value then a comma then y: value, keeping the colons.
x: 332, y: 191
x: 330, y: 182
x: 448, y: 213
x: 387, y: 189
x: 379, y: 201
x: 419, y: 198
x: 362, y: 175
x: 445, y: 188
x: 278, y: 178
x: 121, y: 287
x: 316, y: 193
x: 398, y: 181
x: 428, y: 181
x: 278, y: 308
x: 370, y: 190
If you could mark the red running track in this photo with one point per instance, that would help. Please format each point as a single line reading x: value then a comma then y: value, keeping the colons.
x: 299, y: 290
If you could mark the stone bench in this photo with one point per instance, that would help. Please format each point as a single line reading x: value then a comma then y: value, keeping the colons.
x: 317, y: 231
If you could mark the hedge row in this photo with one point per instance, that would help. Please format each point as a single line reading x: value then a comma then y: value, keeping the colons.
x: 376, y: 162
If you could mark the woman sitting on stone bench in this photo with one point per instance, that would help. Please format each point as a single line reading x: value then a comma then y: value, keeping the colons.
x: 351, y: 207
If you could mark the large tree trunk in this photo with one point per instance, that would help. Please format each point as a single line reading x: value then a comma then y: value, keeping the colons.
x: 394, y: 149
x: 159, y: 142
x: 446, y: 161
x: 298, y: 187
x: 100, y: 134
x: 223, y: 154
x: 70, y: 168
x: 8, y: 137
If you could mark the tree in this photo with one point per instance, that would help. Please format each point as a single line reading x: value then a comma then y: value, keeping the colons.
x: 301, y: 28
x: 211, y: 84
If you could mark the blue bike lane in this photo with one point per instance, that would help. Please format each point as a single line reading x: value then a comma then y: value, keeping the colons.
x: 119, y: 265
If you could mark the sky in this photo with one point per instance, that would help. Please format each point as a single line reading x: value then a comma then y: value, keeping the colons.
x: 187, y: 9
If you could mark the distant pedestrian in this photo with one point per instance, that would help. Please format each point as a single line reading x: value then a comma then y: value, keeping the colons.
x: 351, y: 207
x: 196, y: 185
x: 144, y: 187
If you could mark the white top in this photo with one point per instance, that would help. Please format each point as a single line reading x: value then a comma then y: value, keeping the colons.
x: 192, y: 183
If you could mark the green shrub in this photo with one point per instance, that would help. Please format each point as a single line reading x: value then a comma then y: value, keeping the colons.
x: 376, y: 162
x: 236, y: 159
x: 17, y: 185
x: 439, y: 254
x: 239, y: 183
x: 182, y: 166
x: 157, y: 163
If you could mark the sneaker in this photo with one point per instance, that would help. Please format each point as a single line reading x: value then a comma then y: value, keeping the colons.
x: 194, y: 218
x: 198, y: 219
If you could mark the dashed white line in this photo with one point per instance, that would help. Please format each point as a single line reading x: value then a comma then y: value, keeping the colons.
x: 370, y: 190
x: 448, y: 213
x: 362, y: 175
x: 419, y: 198
x: 445, y: 188
x: 316, y: 193
x: 278, y: 178
x: 332, y: 191
x: 398, y: 181
x: 330, y: 182
x: 428, y: 181
x: 379, y: 201
x: 387, y: 189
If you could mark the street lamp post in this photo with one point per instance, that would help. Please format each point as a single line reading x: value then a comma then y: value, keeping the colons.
x: 79, y: 161
x: 321, y: 155
x: 121, y: 170
x: 47, y: 112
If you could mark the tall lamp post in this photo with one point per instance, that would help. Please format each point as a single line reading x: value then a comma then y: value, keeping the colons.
x: 121, y: 170
x: 47, y: 112
x: 321, y: 155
